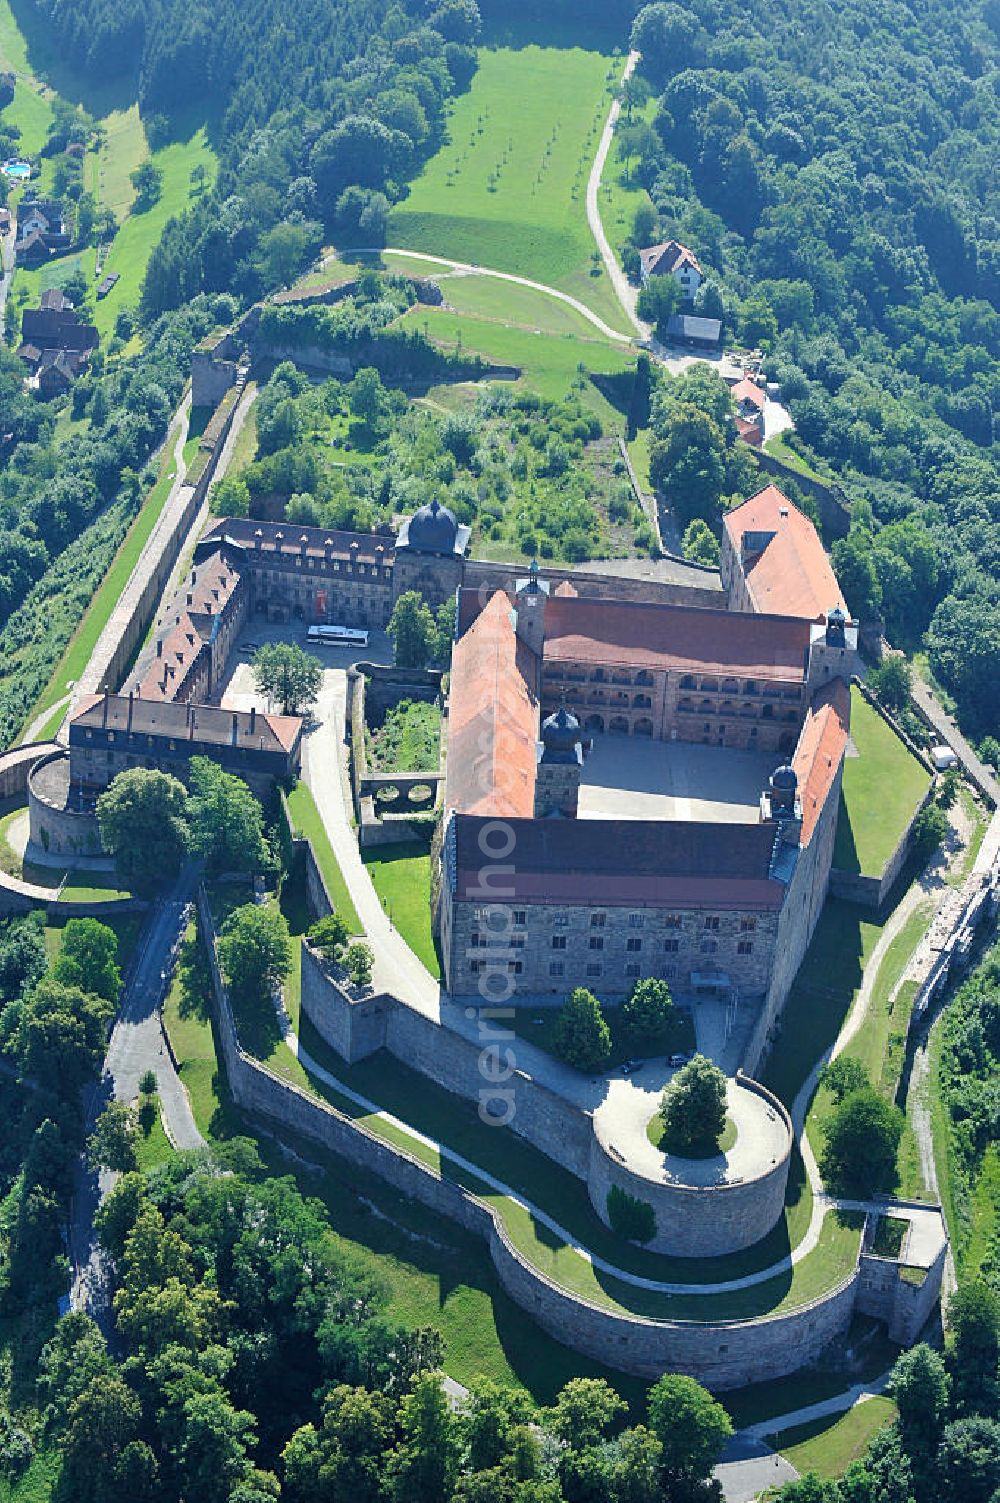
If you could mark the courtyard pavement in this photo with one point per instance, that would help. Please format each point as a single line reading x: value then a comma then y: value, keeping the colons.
x: 628, y: 777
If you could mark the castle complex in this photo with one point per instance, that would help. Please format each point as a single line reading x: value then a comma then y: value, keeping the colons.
x: 713, y: 881
x: 587, y: 894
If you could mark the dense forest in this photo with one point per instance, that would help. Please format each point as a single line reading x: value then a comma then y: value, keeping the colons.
x: 834, y: 169
x: 324, y: 111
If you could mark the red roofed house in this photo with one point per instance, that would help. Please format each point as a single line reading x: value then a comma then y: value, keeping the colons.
x: 750, y: 402
x: 774, y: 561
x: 671, y: 259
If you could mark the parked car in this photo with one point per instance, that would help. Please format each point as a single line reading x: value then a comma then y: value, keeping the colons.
x: 678, y: 1059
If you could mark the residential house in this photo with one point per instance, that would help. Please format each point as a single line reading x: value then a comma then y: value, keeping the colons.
x: 56, y: 344
x: 750, y: 402
x: 41, y: 231
x: 671, y: 259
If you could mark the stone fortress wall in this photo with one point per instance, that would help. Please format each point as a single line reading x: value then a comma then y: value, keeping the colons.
x: 723, y: 1354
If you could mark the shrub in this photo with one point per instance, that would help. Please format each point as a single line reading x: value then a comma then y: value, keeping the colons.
x: 359, y: 961
x: 631, y: 1218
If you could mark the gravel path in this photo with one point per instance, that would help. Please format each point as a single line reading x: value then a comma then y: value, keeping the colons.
x: 626, y: 294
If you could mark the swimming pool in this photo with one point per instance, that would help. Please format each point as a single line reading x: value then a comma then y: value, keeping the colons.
x: 17, y: 169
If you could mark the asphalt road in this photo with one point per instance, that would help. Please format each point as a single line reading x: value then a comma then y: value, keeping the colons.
x: 136, y: 1045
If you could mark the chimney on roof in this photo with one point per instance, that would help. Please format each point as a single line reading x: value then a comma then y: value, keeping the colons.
x: 159, y: 647
x: 253, y: 718
x: 236, y: 728
x: 130, y: 701
x: 194, y: 576
x: 190, y: 601
x: 104, y: 713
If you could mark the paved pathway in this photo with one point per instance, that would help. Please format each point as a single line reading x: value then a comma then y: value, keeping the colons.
x: 950, y: 734
x: 626, y: 294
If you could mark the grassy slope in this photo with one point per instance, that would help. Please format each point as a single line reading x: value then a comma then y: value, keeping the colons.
x: 135, y: 241
x: 534, y: 115
x: 306, y: 820
x: 402, y: 878
x: 882, y: 786
x: 84, y: 639
x: 828, y: 1449
x: 549, y: 365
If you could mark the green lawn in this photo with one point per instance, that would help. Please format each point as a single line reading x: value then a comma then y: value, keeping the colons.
x: 123, y: 149
x: 508, y: 190
x: 550, y: 364
x: 488, y: 298
x: 402, y: 878
x: 306, y: 822
x: 83, y: 641
x: 822, y: 995
x: 133, y: 245
x: 882, y: 787
x: 408, y: 740
x: 780, y: 447
x: 620, y: 195
x: 828, y: 1448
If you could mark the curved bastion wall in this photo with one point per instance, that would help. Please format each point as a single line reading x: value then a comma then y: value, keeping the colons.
x: 55, y: 826
x: 692, y: 1221
x: 728, y: 1211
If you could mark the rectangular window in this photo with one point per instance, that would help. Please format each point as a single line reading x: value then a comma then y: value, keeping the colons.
x: 556, y: 968
x: 597, y: 920
x: 672, y: 946
x: 594, y: 970
x: 596, y: 942
x: 747, y: 925
x: 516, y: 941
x: 475, y: 941
x: 561, y: 921
x: 636, y: 920
x: 633, y: 968
x: 712, y: 923
x: 520, y: 917
x: 669, y: 972
x: 558, y: 941
x: 634, y: 945
x: 709, y: 946
x: 672, y: 921
x: 745, y: 947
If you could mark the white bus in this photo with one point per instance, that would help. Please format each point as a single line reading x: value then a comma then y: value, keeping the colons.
x: 337, y: 636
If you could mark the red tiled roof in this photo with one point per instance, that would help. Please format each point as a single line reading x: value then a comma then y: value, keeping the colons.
x: 492, y: 719
x: 748, y: 391
x: 792, y: 574
x: 820, y: 751
x: 684, y: 639
x: 658, y: 863
x: 749, y: 432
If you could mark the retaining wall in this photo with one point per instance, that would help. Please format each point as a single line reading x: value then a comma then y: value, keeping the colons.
x: 831, y: 503
x: 722, y: 1354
